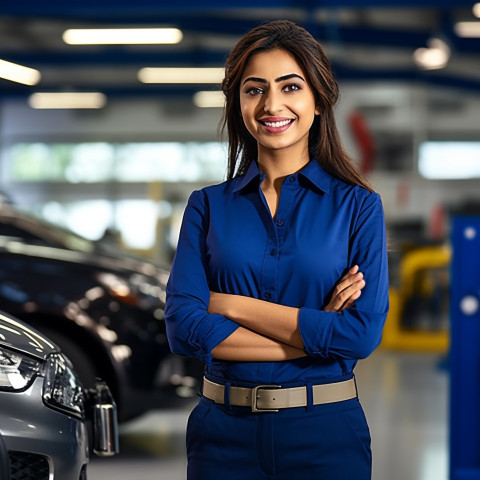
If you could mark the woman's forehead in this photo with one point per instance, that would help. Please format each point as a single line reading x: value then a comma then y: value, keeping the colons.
x: 272, y: 64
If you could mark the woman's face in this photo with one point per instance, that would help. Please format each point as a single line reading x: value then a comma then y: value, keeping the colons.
x: 277, y: 104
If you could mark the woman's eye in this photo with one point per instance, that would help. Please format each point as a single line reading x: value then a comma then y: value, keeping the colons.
x: 292, y: 88
x: 254, y: 91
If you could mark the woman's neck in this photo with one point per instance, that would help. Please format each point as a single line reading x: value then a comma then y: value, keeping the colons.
x: 276, y: 165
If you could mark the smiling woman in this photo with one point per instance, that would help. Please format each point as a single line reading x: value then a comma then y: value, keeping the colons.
x: 279, y: 283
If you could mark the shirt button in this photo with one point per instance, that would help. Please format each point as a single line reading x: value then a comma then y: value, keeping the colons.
x: 291, y: 179
x: 273, y: 252
x: 267, y: 295
x: 279, y: 223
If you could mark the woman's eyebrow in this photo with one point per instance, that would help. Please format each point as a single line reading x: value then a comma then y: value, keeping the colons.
x: 288, y: 77
x: 279, y: 79
x: 254, y: 79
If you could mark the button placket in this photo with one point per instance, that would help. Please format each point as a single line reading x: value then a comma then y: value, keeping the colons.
x: 276, y: 236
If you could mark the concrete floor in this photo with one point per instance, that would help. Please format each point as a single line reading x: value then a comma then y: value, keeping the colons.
x: 405, y: 397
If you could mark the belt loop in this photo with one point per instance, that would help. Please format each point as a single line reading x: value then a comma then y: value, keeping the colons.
x: 226, y: 395
x: 309, y: 387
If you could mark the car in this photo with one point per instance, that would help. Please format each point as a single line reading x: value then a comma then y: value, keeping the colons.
x: 45, y: 410
x: 4, y: 460
x: 102, y: 306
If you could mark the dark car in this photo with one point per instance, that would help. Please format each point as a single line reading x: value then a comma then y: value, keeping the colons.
x: 45, y: 410
x: 104, y: 308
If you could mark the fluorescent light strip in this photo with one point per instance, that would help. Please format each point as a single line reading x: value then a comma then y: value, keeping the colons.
x: 181, y: 75
x: 122, y: 36
x: 67, y: 100
x: 467, y: 29
x: 19, y: 73
x: 207, y: 99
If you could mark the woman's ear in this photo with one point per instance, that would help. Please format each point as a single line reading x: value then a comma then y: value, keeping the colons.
x: 317, y: 110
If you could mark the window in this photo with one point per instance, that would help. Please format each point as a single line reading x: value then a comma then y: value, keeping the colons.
x: 449, y: 160
x: 127, y: 162
x: 136, y: 191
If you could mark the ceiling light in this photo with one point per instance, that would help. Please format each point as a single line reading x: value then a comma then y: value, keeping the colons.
x: 476, y: 10
x: 122, y: 36
x: 207, y: 99
x: 69, y: 100
x: 467, y: 29
x: 18, y: 73
x: 181, y: 75
x: 434, y: 57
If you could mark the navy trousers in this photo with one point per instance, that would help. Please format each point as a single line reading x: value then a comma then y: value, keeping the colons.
x: 321, y: 442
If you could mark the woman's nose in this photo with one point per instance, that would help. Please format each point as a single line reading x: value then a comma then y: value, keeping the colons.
x: 273, y: 103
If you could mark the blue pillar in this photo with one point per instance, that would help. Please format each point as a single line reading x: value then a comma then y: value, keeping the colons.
x: 465, y: 349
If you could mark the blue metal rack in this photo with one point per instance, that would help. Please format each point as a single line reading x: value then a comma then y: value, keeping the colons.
x: 465, y: 349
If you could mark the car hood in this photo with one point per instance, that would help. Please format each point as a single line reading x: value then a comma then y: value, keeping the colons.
x: 19, y: 336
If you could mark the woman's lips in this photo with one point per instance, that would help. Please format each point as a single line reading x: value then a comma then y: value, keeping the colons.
x: 276, y: 126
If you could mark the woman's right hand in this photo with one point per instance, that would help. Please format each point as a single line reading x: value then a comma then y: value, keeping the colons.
x: 347, y: 290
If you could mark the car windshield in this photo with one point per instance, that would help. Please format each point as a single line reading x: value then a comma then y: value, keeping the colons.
x: 21, y: 225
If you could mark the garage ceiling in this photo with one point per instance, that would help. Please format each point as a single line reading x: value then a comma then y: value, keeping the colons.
x: 366, y: 41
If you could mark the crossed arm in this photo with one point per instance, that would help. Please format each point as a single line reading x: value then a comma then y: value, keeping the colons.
x: 269, y: 331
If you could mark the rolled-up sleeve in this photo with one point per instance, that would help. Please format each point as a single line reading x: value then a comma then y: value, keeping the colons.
x: 355, y: 332
x: 191, y: 330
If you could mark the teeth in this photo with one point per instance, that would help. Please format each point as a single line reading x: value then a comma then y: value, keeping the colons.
x: 277, y: 124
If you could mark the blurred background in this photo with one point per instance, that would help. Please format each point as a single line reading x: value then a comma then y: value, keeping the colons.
x: 108, y: 138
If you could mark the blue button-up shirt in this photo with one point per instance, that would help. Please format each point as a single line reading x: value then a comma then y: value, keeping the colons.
x: 229, y: 243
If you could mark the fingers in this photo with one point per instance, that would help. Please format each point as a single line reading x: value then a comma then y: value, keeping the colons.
x: 347, y: 291
x: 355, y: 296
x: 350, y: 278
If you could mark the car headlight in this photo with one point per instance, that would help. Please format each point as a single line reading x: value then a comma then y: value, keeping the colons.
x: 62, y: 389
x: 17, y: 371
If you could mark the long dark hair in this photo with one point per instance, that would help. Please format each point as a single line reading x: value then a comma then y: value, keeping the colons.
x: 324, y: 140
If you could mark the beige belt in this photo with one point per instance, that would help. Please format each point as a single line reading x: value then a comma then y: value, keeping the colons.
x: 270, y: 398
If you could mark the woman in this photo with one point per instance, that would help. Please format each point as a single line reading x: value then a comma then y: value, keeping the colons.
x: 280, y: 279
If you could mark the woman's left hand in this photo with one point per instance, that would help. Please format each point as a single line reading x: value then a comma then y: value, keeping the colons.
x: 347, y: 290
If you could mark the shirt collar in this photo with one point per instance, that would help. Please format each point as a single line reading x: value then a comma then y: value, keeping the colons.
x: 316, y: 175
x: 251, y: 174
x: 313, y: 172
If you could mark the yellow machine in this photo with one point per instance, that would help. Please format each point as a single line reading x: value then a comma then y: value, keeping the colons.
x: 422, y: 292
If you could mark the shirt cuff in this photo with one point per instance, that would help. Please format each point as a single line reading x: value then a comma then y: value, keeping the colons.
x: 209, y: 334
x: 316, y: 330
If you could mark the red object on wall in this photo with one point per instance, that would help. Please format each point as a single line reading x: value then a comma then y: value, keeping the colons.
x: 364, y: 139
x: 404, y: 190
x: 437, y: 222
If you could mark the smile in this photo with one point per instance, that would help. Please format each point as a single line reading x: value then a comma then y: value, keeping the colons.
x: 277, y: 124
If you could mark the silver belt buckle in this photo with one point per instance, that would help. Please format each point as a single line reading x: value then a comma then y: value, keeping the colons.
x: 255, y: 390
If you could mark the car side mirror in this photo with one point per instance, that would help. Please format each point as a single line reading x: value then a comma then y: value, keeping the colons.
x: 103, y: 413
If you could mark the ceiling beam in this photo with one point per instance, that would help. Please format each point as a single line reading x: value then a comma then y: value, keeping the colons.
x: 128, y: 10
x: 176, y: 55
